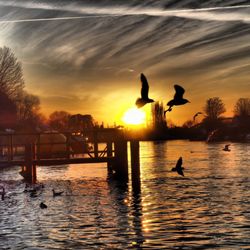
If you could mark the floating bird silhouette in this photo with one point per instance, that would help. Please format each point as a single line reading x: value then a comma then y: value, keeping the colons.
x: 178, y: 168
x: 33, y: 194
x: 43, y: 205
x: 226, y: 148
x: 2, y: 193
x: 57, y: 193
x: 198, y: 113
x: 178, y: 98
x: 140, y: 102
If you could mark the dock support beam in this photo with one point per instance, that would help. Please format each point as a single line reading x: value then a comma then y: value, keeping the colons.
x: 109, y: 155
x: 29, y: 170
x: 121, y: 160
x: 135, y: 165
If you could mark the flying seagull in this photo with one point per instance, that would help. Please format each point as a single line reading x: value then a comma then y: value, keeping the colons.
x: 226, y: 148
x: 178, y: 98
x: 140, y: 102
x: 198, y: 113
x: 178, y: 168
x: 57, y: 193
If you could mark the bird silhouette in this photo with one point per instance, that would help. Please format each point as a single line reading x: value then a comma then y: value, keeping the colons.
x: 43, y: 205
x: 140, y: 102
x: 226, y: 148
x: 2, y: 193
x: 178, y: 98
x: 178, y: 168
x: 33, y: 194
x: 57, y: 193
x: 198, y: 113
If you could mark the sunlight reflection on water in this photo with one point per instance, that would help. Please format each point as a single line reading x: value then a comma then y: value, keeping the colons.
x: 208, y: 208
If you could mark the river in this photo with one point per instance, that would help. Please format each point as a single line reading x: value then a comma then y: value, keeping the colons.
x: 208, y: 208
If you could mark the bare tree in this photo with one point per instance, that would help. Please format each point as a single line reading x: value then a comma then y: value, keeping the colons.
x: 59, y: 120
x: 157, y: 111
x: 28, y: 106
x: 214, y: 108
x: 242, y: 107
x: 11, y: 74
x: 8, y: 113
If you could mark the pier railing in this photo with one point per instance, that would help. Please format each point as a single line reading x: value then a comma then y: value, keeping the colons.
x: 56, y: 148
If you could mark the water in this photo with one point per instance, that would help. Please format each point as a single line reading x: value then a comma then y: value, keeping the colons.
x: 209, y: 208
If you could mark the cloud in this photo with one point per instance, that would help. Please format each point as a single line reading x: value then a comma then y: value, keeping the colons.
x: 224, y: 13
x: 77, y: 50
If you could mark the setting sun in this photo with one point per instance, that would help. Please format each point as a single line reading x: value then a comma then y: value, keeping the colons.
x: 134, y: 116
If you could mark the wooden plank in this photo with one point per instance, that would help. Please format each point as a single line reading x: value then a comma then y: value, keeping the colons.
x: 51, y: 162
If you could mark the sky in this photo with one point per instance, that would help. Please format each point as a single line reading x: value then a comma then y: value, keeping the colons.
x: 87, y: 56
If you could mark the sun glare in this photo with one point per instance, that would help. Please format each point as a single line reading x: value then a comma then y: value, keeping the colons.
x: 134, y: 116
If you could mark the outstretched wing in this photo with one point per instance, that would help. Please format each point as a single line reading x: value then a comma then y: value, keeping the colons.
x: 179, y: 91
x: 179, y: 163
x: 180, y: 172
x: 178, y: 167
x: 144, y: 88
x: 198, y: 113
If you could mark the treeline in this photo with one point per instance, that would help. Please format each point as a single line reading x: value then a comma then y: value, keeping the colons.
x: 209, y: 120
x: 20, y: 110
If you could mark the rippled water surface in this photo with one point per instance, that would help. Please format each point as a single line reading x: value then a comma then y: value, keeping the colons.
x: 209, y: 208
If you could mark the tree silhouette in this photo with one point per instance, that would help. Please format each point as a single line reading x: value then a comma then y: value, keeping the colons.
x: 81, y: 122
x: 8, y: 113
x: 213, y: 109
x: 242, y: 113
x: 159, y: 121
x: 28, y: 105
x: 11, y: 74
x: 59, y: 120
x: 242, y: 107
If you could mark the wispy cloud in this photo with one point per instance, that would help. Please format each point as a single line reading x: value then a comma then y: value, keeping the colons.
x: 226, y: 13
x: 69, y: 47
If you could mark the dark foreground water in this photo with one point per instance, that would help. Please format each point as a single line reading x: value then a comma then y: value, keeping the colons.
x: 209, y: 208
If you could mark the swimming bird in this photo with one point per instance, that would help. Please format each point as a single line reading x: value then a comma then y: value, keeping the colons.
x: 43, y: 205
x: 57, y: 193
x: 198, y: 113
x: 140, y: 102
x: 178, y: 98
x: 33, y: 194
x: 178, y: 168
x: 226, y: 148
x: 2, y: 193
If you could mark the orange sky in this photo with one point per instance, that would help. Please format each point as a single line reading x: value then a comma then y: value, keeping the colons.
x: 87, y: 59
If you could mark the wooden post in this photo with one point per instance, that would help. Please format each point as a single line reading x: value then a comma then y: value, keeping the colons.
x: 11, y: 147
x: 68, y: 145
x: 95, y: 144
x: 109, y: 155
x: 29, y: 172
x: 135, y: 164
x: 121, y: 160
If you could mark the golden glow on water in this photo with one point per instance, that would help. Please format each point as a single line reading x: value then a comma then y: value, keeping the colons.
x: 207, y: 207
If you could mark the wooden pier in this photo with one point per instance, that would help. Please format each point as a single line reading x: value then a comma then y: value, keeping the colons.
x: 53, y: 148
